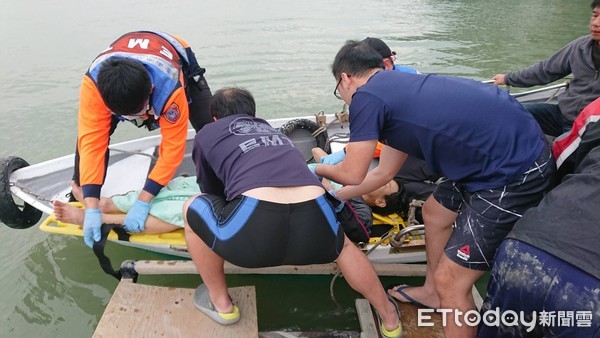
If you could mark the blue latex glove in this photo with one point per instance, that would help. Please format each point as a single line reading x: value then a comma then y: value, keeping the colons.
x: 334, y: 158
x: 92, y: 223
x: 136, y: 217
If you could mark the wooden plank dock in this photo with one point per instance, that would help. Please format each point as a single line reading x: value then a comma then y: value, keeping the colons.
x: 138, y: 310
x: 409, y: 318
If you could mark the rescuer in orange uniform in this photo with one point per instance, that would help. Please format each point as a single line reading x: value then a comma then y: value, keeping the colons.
x: 151, y: 79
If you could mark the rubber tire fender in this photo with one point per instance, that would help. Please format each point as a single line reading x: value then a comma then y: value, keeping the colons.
x: 10, y: 213
x: 308, y: 125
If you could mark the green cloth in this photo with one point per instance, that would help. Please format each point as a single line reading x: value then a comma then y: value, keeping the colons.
x: 167, y: 205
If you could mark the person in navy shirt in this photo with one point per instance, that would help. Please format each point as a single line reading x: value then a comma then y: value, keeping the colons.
x: 489, y: 149
x: 261, y: 206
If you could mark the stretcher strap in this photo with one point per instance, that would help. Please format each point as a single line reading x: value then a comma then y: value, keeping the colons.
x: 98, y: 247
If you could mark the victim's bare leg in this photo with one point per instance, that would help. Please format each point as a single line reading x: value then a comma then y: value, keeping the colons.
x: 106, y: 204
x: 71, y: 214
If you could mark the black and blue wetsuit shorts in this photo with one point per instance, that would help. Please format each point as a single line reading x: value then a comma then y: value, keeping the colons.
x: 252, y: 233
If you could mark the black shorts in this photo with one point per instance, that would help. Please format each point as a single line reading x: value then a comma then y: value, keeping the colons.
x: 251, y: 233
x: 485, y: 217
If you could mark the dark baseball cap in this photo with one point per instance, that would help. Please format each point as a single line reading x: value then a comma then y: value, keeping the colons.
x: 380, y: 47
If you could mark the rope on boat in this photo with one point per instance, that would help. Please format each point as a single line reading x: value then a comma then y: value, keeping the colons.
x: 341, y: 117
x: 337, y: 137
x: 395, y: 242
x: 414, y: 204
x: 331, y: 294
x: 322, y: 128
x: 29, y: 192
x: 338, y: 273
x: 127, y: 152
x: 566, y: 84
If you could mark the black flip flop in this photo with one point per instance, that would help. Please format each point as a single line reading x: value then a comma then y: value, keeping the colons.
x: 409, y: 298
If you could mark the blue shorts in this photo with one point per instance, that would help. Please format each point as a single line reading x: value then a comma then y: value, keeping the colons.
x: 556, y: 298
x: 485, y: 217
x: 252, y: 233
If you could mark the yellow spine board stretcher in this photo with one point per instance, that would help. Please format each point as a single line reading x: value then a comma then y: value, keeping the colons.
x: 397, y: 223
x: 177, y: 237
x: 54, y: 226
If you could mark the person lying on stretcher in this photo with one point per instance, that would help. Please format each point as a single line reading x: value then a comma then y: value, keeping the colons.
x: 165, y: 209
x: 413, y: 181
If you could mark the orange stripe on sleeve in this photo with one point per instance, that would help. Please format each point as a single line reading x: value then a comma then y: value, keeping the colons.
x: 93, y: 133
x: 173, y: 130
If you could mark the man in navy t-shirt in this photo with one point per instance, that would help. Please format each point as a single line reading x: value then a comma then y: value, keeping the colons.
x: 490, y: 151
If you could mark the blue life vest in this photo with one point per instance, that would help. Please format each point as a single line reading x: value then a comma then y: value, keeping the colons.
x: 405, y: 69
x: 161, y: 54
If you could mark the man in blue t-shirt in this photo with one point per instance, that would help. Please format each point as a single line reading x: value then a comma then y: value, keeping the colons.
x: 490, y: 151
x: 261, y: 206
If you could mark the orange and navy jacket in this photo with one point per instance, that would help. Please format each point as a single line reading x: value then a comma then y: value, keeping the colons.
x: 163, y: 56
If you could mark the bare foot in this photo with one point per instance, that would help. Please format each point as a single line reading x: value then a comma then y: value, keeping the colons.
x: 58, y: 209
x: 77, y: 192
x: 67, y: 213
x: 416, y: 295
